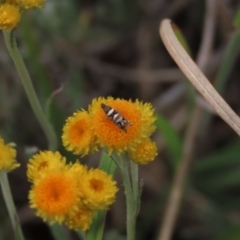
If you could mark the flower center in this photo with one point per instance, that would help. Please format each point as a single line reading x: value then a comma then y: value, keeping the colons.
x: 77, y: 130
x: 42, y: 165
x: 96, y: 185
x: 56, y: 194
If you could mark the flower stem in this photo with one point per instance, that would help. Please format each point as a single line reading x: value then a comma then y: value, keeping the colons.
x: 131, y: 217
x: 10, y: 205
x: 131, y: 186
x: 10, y: 41
x: 134, y: 179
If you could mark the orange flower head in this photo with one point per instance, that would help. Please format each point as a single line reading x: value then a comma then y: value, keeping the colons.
x: 81, y: 219
x: 42, y: 162
x: 78, y: 135
x: 9, y: 16
x: 78, y: 168
x: 55, y: 195
x: 28, y: 4
x: 7, y: 156
x: 144, y: 152
x: 140, y: 123
x: 98, y: 190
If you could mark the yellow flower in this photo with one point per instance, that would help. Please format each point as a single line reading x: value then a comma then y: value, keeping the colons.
x: 144, y: 152
x: 78, y: 135
x: 7, y: 156
x: 55, y: 195
x: 9, y: 16
x: 110, y: 135
x: 98, y: 190
x: 81, y: 219
x: 30, y: 3
x: 42, y: 162
x: 78, y: 169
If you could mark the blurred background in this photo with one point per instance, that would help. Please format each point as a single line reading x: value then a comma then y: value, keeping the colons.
x: 78, y: 50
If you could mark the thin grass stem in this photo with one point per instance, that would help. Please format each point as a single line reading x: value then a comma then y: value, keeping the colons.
x: 10, y: 41
x: 7, y: 195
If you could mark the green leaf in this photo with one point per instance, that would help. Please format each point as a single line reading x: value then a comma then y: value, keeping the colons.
x: 113, y: 235
x: 58, y: 232
x: 236, y: 21
x: 96, y: 230
x: 172, y: 140
x: 220, y: 180
x: 107, y: 164
x: 233, y: 233
x: 226, y: 157
x: 219, y: 171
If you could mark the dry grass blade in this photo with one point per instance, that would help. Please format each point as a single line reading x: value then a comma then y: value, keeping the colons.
x: 197, y: 78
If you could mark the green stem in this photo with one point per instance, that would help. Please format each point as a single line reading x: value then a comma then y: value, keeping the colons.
x: 10, y: 41
x: 131, y: 217
x: 10, y: 205
x: 59, y: 232
x: 137, y: 186
x: 131, y: 192
x: 135, y: 179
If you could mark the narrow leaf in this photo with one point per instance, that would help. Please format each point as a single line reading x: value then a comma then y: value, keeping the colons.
x: 171, y: 138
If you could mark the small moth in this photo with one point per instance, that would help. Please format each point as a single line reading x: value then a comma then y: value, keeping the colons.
x: 115, y: 117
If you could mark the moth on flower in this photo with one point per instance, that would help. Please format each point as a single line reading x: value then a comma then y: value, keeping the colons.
x: 116, y: 117
x: 115, y: 124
